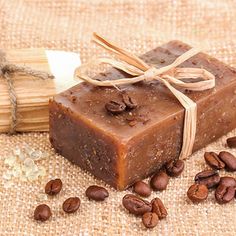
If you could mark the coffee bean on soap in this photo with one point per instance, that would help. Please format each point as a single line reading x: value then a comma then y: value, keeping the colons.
x: 174, y: 167
x: 224, y: 194
x: 96, y: 193
x: 159, y: 208
x: 159, y: 181
x: 213, y: 160
x: 210, y: 178
x: 197, y: 193
x: 142, y: 189
x: 128, y: 101
x: 136, y: 205
x: 115, y: 107
x: 229, y: 160
x: 53, y: 187
x: 42, y: 212
x: 150, y: 219
x: 231, y: 142
x: 71, y: 205
x: 228, y: 181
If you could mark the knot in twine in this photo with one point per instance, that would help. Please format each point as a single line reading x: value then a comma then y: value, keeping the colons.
x: 6, y: 70
x: 171, y: 76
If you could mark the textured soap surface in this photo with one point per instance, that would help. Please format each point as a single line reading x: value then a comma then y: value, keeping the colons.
x: 121, y: 149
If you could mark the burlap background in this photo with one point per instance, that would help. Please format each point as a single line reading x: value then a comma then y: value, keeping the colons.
x: 137, y: 25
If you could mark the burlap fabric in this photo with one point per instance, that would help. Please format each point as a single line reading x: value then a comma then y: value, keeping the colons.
x: 139, y: 26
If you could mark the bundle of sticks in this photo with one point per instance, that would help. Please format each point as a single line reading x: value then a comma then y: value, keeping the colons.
x: 32, y: 92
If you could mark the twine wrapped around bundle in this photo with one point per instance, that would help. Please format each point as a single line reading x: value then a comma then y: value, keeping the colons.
x: 6, y: 71
x: 169, y: 75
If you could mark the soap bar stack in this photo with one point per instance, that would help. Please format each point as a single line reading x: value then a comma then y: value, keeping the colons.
x: 125, y: 146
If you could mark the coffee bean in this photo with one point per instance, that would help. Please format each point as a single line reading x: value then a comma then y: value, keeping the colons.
x: 213, y: 160
x: 53, y: 187
x: 224, y: 194
x: 115, y: 107
x: 197, y: 193
x: 128, y: 101
x: 136, y: 205
x: 71, y: 205
x: 174, y: 167
x: 42, y: 212
x: 159, y: 208
x: 150, y: 219
x: 142, y: 189
x: 159, y: 181
x: 228, y: 181
x: 210, y: 178
x: 229, y: 160
x: 96, y: 193
x: 231, y: 142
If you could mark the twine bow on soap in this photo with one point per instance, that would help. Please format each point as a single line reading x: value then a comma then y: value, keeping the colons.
x: 169, y: 75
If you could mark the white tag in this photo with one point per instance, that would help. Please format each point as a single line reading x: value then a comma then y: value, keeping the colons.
x: 62, y: 65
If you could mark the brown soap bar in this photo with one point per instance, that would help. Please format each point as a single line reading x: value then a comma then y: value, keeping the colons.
x: 121, y: 149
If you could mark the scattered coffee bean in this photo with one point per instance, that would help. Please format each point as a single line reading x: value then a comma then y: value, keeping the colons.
x: 228, y: 181
x: 71, y: 205
x: 53, y: 187
x: 231, y: 142
x: 159, y: 181
x: 224, y: 194
x: 210, y: 178
x: 115, y: 107
x: 197, y: 193
x: 159, y: 208
x: 128, y: 101
x: 42, y: 212
x: 96, y: 193
x: 174, y: 167
x: 229, y: 160
x: 142, y: 189
x: 213, y: 160
x: 150, y: 219
x: 136, y: 205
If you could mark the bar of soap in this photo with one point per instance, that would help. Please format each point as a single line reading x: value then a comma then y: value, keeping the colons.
x: 121, y: 149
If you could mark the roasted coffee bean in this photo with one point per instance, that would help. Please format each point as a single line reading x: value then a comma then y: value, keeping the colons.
x: 150, y: 219
x: 174, y: 167
x: 115, y: 107
x: 128, y: 101
x: 42, y: 212
x: 210, y: 178
x: 142, y: 189
x: 229, y: 160
x: 159, y: 181
x: 159, y: 208
x: 224, y: 194
x: 53, y: 187
x: 96, y: 193
x: 213, y: 160
x: 231, y: 142
x: 228, y: 181
x: 71, y: 205
x: 197, y: 193
x: 136, y: 205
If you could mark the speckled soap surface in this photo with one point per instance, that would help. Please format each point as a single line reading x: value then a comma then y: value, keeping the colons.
x: 120, y: 151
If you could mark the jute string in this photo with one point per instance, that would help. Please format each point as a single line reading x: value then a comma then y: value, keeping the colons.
x: 168, y: 75
x: 6, y: 71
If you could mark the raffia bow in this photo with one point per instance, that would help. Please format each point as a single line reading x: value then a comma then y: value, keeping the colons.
x: 168, y: 75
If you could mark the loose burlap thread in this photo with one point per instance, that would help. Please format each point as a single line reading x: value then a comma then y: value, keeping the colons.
x: 67, y: 25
